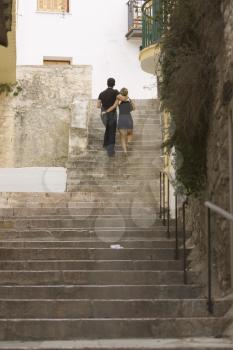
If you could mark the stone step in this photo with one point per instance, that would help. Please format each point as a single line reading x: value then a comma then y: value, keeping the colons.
x: 139, y: 131
x: 104, y: 292
x: 106, y: 235
x: 101, y: 174
x: 94, y: 223
x: 93, y: 277
x: 92, y: 309
x: 112, y: 188
x: 92, y: 155
x: 148, y: 112
x: 72, y: 175
x: 98, y: 172
x: 92, y: 210
x: 120, y: 159
x: 81, y: 200
x: 126, y: 165
x: 139, y: 145
x: 44, y: 197
x: 85, y: 244
x: 154, y: 136
x: 123, y: 344
x: 143, y: 112
x: 140, y: 124
x: 62, y: 329
x: 87, y: 254
x: 43, y: 265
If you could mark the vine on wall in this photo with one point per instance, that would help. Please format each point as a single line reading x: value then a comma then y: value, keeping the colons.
x: 190, y: 44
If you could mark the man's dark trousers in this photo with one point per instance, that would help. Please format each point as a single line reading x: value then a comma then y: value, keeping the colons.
x: 110, y: 122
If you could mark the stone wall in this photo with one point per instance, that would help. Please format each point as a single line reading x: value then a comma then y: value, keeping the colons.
x: 218, y: 187
x: 35, y: 124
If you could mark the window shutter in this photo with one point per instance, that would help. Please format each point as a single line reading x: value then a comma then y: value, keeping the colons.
x: 53, y: 5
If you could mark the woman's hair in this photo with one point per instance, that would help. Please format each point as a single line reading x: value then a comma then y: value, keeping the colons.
x: 124, y: 92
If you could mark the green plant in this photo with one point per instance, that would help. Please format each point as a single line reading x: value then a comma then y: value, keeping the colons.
x: 190, y: 44
x: 10, y: 89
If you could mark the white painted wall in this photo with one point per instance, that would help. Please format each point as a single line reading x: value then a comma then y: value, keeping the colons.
x: 33, y: 179
x: 93, y: 34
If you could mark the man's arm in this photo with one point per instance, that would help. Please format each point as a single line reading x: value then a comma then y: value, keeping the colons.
x: 99, y: 104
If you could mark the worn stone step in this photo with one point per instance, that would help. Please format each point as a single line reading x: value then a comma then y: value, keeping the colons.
x: 88, y: 187
x: 43, y: 265
x: 141, y: 125
x: 82, y: 222
x: 132, y: 155
x: 73, y: 309
x: 110, y: 182
x: 140, y: 145
x: 172, y: 291
x: 61, y: 329
x: 98, y: 172
x: 85, y: 244
x: 86, y: 253
x: 123, y: 161
x: 123, y: 344
x: 142, y: 194
x: 85, y: 200
x: 67, y: 199
x: 96, y: 277
x: 95, y: 209
x: 102, y: 174
x: 126, y: 164
x: 106, y: 235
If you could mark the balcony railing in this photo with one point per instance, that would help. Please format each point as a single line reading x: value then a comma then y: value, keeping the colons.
x: 151, y: 22
x: 134, y: 18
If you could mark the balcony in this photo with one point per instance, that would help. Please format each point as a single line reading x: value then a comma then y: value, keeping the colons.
x: 134, y: 18
x: 151, y: 34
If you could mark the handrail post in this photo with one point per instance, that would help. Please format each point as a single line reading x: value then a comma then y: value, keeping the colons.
x: 160, y: 195
x: 184, y: 243
x: 164, y: 210
x: 176, y: 228
x: 168, y: 207
x: 210, y: 301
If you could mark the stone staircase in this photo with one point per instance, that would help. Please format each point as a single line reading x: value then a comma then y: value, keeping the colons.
x: 93, y: 268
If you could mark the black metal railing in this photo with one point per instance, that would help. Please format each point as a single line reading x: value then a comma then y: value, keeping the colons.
x: 214, y: 208
x: 164, y: 214
x: 135, y: 18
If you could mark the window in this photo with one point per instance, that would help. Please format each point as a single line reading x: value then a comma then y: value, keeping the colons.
x: 53, y: 5
x: 56, y: 61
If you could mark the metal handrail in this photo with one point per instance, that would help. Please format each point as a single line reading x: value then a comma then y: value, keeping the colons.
x: 162, y: 215
x: 228, y: 216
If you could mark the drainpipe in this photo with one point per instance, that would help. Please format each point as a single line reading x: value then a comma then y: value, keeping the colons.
x: 230, y: 118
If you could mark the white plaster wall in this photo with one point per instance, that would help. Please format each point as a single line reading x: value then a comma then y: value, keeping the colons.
x: 93, y: 33
x: 33, y: 180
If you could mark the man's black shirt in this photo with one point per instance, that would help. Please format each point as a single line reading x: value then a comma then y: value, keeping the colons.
x: 108, y: 97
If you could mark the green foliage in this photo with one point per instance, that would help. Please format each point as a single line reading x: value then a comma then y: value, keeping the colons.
x: 10, y: 89
x: 190, y: 44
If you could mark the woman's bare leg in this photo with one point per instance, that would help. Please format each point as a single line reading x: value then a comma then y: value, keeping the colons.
x: 123, y: 136
x: 129, y: 135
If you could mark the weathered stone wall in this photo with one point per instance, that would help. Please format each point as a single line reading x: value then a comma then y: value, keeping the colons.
x: 35, y: 124
x: 217, y: 188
